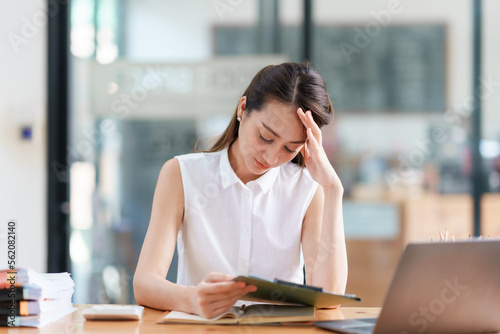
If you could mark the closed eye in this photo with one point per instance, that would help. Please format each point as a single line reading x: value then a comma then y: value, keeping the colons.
x: 270, y: 141
x: 267, y: 141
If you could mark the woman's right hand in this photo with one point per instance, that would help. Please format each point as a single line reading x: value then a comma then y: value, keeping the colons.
x: 217, y: 293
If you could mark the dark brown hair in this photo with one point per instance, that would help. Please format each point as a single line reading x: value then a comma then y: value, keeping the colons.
x: 296, y: 84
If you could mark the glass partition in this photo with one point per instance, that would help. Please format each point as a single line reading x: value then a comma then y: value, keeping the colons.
x: 147, y: 85
x: 150, y: 79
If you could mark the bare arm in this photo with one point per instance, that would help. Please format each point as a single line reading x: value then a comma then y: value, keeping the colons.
x: 150, y: 286
x: 323, y: 238
x: 323, y: 241
x: 215, y: 295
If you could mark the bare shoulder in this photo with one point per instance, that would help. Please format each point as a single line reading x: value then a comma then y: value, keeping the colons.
x: 170, y: 178
x: 169, y: 194
x: 171, y: 168
x: 170, y: 175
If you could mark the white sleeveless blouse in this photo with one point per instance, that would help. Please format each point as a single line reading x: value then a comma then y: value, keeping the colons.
x: 239, y: 229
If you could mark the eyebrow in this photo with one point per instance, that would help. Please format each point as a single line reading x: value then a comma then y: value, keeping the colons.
x: 277, y: 135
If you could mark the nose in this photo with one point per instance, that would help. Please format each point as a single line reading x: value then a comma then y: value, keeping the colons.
x: 271, y: 156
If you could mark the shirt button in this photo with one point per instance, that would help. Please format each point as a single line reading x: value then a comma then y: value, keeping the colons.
x: 247, y: 196
x: 245, y: 230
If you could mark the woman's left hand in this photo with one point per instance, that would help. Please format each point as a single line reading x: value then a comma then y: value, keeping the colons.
x: 314, y: 154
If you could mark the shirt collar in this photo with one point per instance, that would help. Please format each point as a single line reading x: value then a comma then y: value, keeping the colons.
x: 229, y: 177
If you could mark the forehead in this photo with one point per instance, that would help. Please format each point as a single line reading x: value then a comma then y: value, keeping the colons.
x: 283, y: 119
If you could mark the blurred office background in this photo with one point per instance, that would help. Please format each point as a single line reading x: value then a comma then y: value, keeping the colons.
x: 148, y: 79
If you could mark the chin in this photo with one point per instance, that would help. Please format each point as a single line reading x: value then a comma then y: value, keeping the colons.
x: 257, y: 171
x: 254, y: 169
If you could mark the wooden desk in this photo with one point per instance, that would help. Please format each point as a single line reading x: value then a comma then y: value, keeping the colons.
x: 76, y: 324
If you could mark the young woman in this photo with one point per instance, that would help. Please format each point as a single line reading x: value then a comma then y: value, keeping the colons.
x: 264, y: 201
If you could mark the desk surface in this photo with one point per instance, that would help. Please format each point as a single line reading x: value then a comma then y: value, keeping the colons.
x: 76, y: 324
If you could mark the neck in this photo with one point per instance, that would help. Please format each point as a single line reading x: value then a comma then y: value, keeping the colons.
x: 238, y: 164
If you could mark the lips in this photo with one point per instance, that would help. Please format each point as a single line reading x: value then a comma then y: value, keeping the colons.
x: 262, y: 166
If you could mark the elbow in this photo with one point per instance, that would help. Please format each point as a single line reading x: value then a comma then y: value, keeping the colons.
x: 138, y: 290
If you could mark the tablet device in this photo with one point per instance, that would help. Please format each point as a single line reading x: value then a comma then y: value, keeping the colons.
x: 282, y: 292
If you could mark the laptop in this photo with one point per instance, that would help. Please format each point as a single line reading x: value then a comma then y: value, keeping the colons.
x: 438, y: 288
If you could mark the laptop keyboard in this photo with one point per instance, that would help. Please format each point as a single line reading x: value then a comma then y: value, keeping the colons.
x: 351, y: 326
x: 361, y: 330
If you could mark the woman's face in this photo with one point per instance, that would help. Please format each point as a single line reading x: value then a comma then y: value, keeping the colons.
x: 269, y: 137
